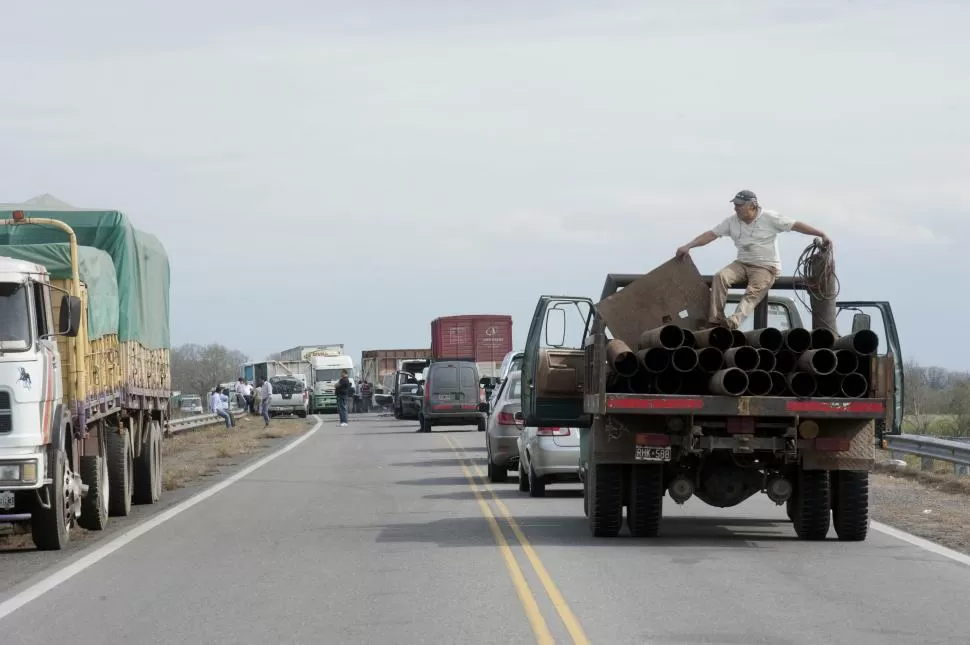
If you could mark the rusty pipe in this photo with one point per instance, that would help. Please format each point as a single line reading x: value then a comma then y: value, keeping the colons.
x: 818, y: 361
x: 785, y: 361
x: 654, y: 360
x: 738, y: 339
x: 666, y: 336
x: 846, y: 361
x: 709, y: 359
x: 744, y: 358
x: 766, y: 360
x: 864, y: 341
x: 779, y: 384
x: 640, y: 383
x: 759, y: 383
x: 683, y: 359
x: 768, y: 338
x: 667, y: 382
x: 716, y: 337
x: 797, y: 340
x: 689, y: 340
x: 801, y: 384
x: 822, y: 338
x: 728, y: 382
x: 621, y: 358
x: 828, y: 386
x: 854, y: 385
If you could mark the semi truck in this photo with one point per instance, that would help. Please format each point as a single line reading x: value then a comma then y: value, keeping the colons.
x: 376, y: 364
x: 483, y: 339
x: 326, y: 366
x: 85, y: 386
x: 666, y: 404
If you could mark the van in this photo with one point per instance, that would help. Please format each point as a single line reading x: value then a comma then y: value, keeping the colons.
x: 450, y: 396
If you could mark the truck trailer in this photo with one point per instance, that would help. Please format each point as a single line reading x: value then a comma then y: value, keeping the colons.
x: 666, y: 404
x: 85, y: 385
x: 483, y: 339
x: 376, y: 364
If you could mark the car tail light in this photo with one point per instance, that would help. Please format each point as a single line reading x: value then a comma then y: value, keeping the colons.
x: 506, y: 419
x: 552, y: 432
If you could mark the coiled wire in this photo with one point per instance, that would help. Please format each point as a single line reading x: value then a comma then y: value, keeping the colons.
x: 805, y: 272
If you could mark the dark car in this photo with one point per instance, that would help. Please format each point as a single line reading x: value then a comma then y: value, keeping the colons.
x: 450, y: 396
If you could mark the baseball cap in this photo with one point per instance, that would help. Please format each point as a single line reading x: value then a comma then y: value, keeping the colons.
x: 744, y: 196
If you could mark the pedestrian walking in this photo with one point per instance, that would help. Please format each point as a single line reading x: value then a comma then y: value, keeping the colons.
x: 265, y: 394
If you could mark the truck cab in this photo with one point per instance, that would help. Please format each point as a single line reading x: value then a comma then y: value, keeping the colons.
x: 326, y: 371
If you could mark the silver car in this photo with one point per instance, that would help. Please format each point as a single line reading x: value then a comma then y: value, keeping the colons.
x: 290, y: 396
x: 547, y: 456
x: 502, y: 428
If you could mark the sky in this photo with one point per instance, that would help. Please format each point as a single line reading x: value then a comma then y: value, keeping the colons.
x: 344, y: 172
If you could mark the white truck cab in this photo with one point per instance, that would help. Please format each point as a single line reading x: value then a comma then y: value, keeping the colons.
x: 326, y: 368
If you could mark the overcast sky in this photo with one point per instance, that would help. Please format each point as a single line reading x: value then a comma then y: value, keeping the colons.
x: 345, y: 172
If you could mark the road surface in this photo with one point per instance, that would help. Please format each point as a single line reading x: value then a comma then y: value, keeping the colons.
x: 374, y: 533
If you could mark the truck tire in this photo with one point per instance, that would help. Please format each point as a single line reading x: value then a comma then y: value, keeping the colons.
x: 51, y: 527
x: 813, y: 511
x: 645, y: 507
x: 94, y: 505
x: 119, y: 472
x: 148, y: 467
x: 605, y: 500
x: 850, y: 505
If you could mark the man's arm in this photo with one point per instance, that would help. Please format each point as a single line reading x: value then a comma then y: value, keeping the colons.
x: 701, y: 240
x: 808, y: 229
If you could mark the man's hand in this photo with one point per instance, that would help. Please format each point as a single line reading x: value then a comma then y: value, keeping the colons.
x: 826, y: 241
x: 683, y: 252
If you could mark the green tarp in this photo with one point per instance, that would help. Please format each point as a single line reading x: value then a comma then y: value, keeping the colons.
x: 140, y: 262
x: 97, y: 272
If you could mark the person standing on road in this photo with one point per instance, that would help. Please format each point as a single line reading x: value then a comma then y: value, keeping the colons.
x: 265, y: 393
x: 344, y: 390
x: 241, y: 399
x: 754, y: 231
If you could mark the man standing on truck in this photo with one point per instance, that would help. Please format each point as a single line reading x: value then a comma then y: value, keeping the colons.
x: 755, y: 234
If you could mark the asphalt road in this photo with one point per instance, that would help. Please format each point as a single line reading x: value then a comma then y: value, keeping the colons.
x: 376, y: 534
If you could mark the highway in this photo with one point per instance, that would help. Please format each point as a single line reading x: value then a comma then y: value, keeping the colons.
x: 374, y: 533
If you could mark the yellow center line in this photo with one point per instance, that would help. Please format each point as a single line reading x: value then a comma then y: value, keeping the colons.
x: 538, y: 623
x: 569, y: 619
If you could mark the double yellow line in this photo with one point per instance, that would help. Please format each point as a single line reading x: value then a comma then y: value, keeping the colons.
x: 540, y: 628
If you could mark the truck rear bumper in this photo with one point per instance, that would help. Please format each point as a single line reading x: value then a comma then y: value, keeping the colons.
x: 745, y: 406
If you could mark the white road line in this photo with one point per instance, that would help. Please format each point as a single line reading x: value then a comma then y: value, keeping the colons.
x: 926, y: 545
x: 61, y: 576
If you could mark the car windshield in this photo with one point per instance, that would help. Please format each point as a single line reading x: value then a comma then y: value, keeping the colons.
x: 14, y: 317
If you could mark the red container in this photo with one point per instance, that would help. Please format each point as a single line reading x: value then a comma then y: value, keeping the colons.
x: 482, y: 339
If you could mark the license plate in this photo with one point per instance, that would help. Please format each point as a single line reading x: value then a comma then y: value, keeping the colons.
x: 6, y: 499
x: 648, y: 453
x: 444, y: 397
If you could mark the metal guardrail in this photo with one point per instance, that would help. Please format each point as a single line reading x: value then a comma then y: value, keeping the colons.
x: 175, y: 426
x: 930, y: 449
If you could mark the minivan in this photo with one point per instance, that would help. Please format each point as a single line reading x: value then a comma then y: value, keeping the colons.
x: 450, y: 396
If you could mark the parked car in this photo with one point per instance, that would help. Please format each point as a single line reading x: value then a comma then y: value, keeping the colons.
x: 546, y: 456
x: 450, y: 396
x: 191, y: 404
x: 502, y: 429
x: 290, y: 396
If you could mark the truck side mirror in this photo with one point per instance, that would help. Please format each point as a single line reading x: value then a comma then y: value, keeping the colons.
x: 860, y: 322
x: 69, y: 323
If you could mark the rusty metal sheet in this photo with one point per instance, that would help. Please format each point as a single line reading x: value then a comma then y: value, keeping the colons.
x: 673, y: 293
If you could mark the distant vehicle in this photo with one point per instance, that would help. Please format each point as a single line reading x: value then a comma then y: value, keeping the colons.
x: 502, y: 429
x: 290, y: 396
x: 191, y: 404
x: 482, y: 339
x: 451, y: 396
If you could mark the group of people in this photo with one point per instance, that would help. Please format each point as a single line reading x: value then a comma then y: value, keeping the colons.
x: 248, y: 398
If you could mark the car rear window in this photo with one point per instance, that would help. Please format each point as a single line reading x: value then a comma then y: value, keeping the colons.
x: 282, y: 386
x: 469, y: 378
x: 445, y: 378
x: 513, y: 392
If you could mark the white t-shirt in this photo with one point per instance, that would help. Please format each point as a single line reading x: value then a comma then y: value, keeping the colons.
x: 757, y: 242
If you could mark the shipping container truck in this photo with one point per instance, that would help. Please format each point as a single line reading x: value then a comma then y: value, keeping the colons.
x: 481, y: 339
x: 85, y: 386
x: 376, y: 364
x: 666, y: 404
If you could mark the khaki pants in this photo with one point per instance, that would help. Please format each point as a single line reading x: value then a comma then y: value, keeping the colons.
x: 759, y: 281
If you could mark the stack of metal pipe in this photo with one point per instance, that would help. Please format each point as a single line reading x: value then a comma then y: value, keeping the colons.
x: 764, y: 362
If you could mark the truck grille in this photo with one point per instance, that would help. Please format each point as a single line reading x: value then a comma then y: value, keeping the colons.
x: 6, y: 421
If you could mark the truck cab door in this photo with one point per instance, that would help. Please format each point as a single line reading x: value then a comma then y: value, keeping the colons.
x: 888, y: 371
x: 554, y: 364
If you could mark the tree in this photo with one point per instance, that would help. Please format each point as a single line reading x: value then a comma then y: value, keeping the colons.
x: 916, y: 394
x: 196, y: 369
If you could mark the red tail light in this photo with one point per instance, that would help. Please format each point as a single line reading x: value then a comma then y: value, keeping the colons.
x: 552, y: 432
x: 652, y: 439
x: 506, y: 419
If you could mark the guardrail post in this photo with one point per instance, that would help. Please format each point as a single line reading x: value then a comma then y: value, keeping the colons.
x: 926, y: 463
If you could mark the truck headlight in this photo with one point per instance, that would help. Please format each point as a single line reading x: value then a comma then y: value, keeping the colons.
x: 25, y: 473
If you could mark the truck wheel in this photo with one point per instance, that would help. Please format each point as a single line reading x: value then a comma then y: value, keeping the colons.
x: 148, y: 468
x: 645, y: 506
x: 537, y: 485
x: 497, y: 474
x: 813, y: 511
x: 850, y: 512
x: 94, y: 505
x: 119, y: 472
x: 605, y: 500
x: 51, y: 527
